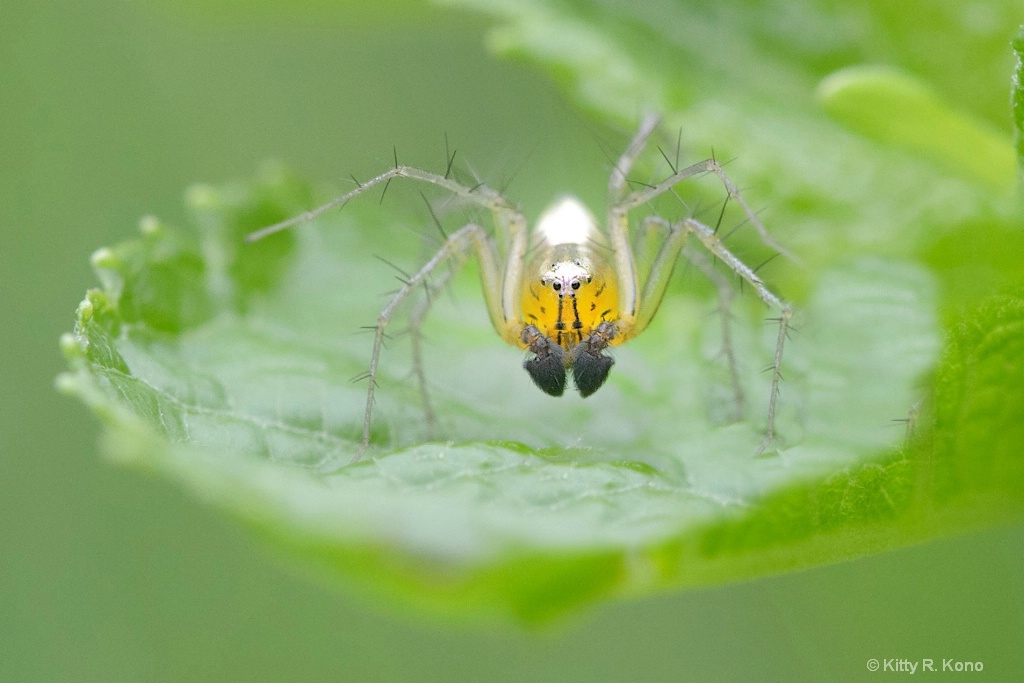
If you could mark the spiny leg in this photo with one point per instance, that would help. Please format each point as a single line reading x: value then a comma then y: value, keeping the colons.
x: 785, y: 316
x: 416, y: 320
x: 501, y: 287
x: 726, y: 293
x: 617, y: 181
x: 481, y: 195
x: 500, y: 284
x: 709, y: 238
x: 661, y: 273
x: 453, y: 248
x: 642, y: 196
x: 618, y: 214
x: 419, y: 313
x: 621, y: 206
x: 618, y: 222
x: 658, y: 279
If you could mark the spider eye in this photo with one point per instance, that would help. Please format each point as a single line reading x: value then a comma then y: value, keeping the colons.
x: 575, y: 284
x: 556, y: 285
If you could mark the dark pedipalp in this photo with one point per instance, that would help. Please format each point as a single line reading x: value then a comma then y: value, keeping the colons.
x: 590, y: 367
x: 547, y: 367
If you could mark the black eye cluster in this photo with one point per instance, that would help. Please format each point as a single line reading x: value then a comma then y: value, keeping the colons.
x: 557, y: 286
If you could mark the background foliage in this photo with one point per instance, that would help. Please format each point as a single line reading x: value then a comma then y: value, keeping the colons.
x: 71, y: 575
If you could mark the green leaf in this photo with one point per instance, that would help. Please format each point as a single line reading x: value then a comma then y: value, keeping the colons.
x: 897, y: 110
x: 227, y: 366
x: 739, y: 80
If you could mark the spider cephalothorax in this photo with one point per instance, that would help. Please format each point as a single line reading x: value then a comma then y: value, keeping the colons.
x: 570, y: 309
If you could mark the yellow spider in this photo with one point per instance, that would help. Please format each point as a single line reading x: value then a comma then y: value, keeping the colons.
x: 568, y: 291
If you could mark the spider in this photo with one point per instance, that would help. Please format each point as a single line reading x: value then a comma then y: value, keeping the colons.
x: 568, y: 291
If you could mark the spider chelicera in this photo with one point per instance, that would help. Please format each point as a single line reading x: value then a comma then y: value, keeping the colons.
x: 569, y: 290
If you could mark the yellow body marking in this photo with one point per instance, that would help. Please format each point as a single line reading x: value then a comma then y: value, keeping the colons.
x: 570, y: 317
x: 568, y: 286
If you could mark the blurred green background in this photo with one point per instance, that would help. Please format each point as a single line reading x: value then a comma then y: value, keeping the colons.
x: 108, y: 111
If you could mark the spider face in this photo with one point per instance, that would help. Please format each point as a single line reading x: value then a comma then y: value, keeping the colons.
x: 566, y: 277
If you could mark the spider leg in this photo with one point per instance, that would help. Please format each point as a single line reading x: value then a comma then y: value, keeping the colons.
x: 661, y: 272
x: 642, y: 196
x: 501, y: 287
x: 500, y: 282
x: 726, y: 293
x: 785, y: 316
x: 481, y: 195
x: 416, y: 320
x: 454, y: 248
x: 659, y: 277
x: 709, y: 238
x: 618, y: 224
x: 617, y: 181
x: 630, y: 298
